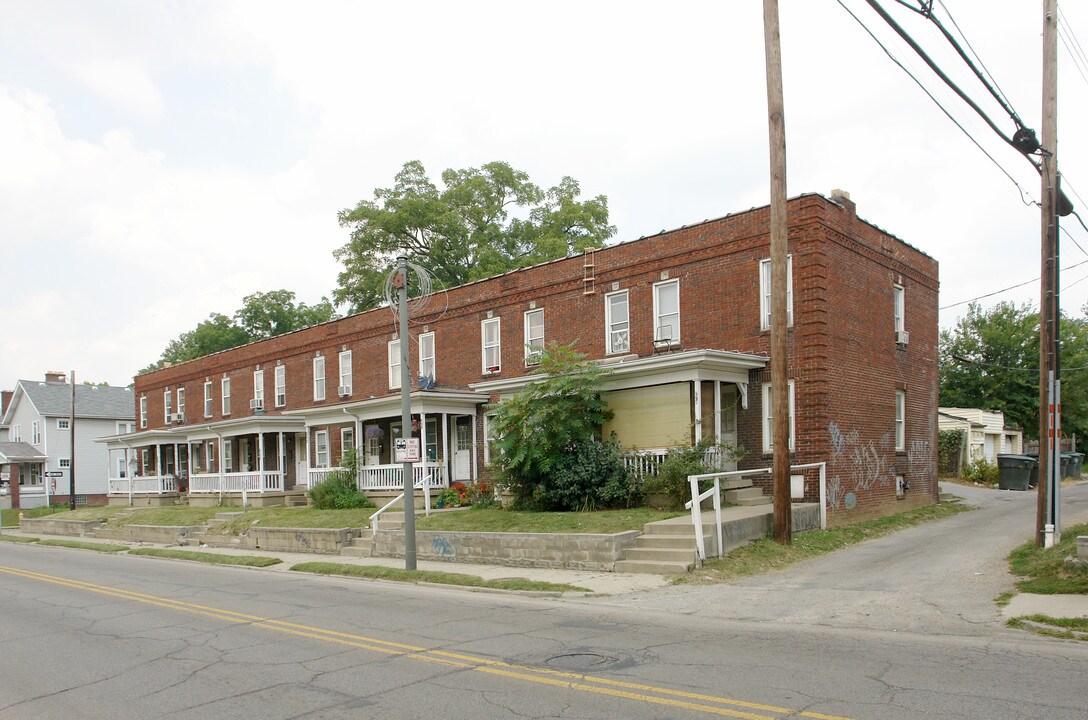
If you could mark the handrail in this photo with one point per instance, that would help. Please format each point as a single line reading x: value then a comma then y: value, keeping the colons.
x: 697, y: 498
x: 421, y: 484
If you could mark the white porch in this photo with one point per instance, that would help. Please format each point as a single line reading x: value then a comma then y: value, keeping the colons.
x: 388, y: 477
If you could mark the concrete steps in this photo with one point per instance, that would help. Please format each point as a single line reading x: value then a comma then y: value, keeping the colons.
x: 361, y: 546
x: 746, y: 496
x: 297, y: 500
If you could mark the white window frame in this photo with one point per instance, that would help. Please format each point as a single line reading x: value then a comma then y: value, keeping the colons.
x: 493, y: 365
x: 344, y: 360
x: 611, y: 328
x: 62, y: 423
x: 319, y: 378
x: 167, y: 408
x: 900, y: 420
x: 427, y: 365
x: 143, y: 411
x: 347, y: 437
x: 899, y: 303
x: 280, y: 379
x: 64, y: 463
x: 224, y: 390
x: 181, y: 401
x: 208, y: 407
x: 258, y: 386
x: 534, y: 344
x: 658, y: 318
x: 488, y: 429
x: 321, y: 438
x: 16, y: 433
x: 35, y: 433
x: 393, y: 356
x: 765, y: 292
x: 768, y: 418
x: 228, y: 457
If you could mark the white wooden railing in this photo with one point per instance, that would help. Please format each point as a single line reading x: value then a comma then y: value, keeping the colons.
x: 236, y: 482
x: 319, y: 475
x: 642, y: 464
x: 143, y: 485
x: 391, y: 477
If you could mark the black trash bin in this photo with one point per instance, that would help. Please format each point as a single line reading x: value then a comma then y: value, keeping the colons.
x: 1014, y: 471
x: 1078, y: 465
x: 1067, y: 465
x: 1033, y: 481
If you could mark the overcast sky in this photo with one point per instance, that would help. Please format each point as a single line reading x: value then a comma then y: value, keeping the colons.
x: 160, y: 160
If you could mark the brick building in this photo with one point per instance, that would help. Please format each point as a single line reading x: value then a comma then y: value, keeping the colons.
x: 680, y: 318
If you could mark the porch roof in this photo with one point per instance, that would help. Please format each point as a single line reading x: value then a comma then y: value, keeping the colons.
x: 208, y: 431
x: 13, y: 452
x: 450, y: 401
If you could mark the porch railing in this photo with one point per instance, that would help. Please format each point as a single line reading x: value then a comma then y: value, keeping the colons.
x: 320, y: 475
x: 143, y: 485
x: 236, y: 482
x: 642, y: 464
x: 391, y: 477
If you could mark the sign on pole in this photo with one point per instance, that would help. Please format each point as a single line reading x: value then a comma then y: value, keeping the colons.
x: 406, y: 450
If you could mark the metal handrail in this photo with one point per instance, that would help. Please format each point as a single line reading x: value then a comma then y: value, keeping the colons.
x: 421, y: 484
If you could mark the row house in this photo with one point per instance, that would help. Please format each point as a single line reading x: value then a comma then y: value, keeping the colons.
x: 682, y: 321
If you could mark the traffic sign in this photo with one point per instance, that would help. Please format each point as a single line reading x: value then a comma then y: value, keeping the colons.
x: 406, y: 450
x: 54, y: 473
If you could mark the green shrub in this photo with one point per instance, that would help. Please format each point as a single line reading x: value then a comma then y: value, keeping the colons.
x: 672, y: 474
x: 981, y: 471
x: 949, y: 444
x: 588, y: 476
x: 338, y: 492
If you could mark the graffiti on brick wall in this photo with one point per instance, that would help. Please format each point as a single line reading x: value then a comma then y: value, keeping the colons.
x: 870, y: 463
x: 921, y: 459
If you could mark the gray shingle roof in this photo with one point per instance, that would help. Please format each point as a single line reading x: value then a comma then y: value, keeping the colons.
x: 53, y: 399
x: 16, y: 451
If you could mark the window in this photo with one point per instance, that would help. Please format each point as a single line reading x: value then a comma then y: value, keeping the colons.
x: 347, y: 442
x: 281, y: 385
x: 765, y: 293
x: 319, y: 378
x: 258, y: 388
x: 426, y: 357
x: 224, y: 385
x: 534, y: 336
x: 16, y: 433
x: 143, y: 412
x: 228, y: 456
x: 207, y: 399
x: 345, y: 373
x: 211, y: 453
x: 490, y: 449
x: 35, y: 433
x: 181, y: 401
x: 900, y: 420
x: 490, y: 340
x: 62, y: 424
x: 667, y: 311
x: 394, y: 364
x: 122, y: 427
x: 321, y: 448
x: 64, y: 463
x: 899, y: 325
x: 167, y: 410
x: 768, y: 417
x: 727, y: 423
x: 617, y: 322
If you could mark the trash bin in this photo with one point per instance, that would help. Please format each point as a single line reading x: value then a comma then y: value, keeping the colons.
x: 1067, y: 465
x: 1078, y: 465
x: 1033, y: 481
x: 1014, y: 471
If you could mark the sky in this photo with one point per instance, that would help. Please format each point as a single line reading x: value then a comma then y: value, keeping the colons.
x: 161, y: 160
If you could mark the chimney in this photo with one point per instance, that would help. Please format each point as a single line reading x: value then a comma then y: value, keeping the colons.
x: 841, y: 197
x: 5, y: 400
x: 55, y: 376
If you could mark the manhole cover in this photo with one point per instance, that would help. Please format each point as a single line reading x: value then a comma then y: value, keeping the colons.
x: 573, y: 661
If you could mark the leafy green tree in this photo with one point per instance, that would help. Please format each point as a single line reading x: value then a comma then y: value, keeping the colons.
x: 536, y: 429
x: 268, y: 314
x: 217, y: 333
x: 990, y: 360
x: 483, y: 222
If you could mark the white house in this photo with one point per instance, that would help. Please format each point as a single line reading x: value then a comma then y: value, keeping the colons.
x: 36, y: 422
x: 987, y: 435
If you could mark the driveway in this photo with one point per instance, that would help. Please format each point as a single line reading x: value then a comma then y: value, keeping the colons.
x: 937, y: 578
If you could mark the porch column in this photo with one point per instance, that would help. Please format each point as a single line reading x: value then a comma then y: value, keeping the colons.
x: 260, y: 461
x: 189, y: 451
x: 698, y: 424
x: 718, y: 410
x: 280, y: 459
x: 475, y: 448
x: 158, y: 460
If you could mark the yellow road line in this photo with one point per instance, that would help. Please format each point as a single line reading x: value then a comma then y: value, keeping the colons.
x: 697, y: 702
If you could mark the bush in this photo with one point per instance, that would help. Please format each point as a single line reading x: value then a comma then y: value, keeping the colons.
x: 981, y: 471
x: 949, y: 443
x: 672, y: 474
x: 588, y: 476
x: 338, y: 492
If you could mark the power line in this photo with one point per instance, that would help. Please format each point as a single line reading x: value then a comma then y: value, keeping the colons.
x: 1011, y: 287
x: 980, y: 363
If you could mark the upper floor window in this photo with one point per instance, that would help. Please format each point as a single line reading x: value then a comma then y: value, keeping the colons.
x: 16, y: 433
x: 181, y: 401
x: 667, y: 311
x: 491, y: 343
x: 768, y: 418
x: 319, y: 378
x: 224, y: 386
x: 345, y: 373
x: 35, y: 433
x: 900, y: 420
x: 617, y: 322
x: 281, y: 385
x: 143, y: 411
x: 534, y: 336
x: 426, y: 357
x: 208, y: 399
x: 258, y: 389
x: 62, y: 423
x: 393, y: 352
x: 900, y: 325
x: 765, y: 293
x: 64, y: 462
x: 166, y: 406
x: 122, y: 427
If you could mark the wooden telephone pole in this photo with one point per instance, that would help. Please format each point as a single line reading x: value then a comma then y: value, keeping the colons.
x: 780, y: 396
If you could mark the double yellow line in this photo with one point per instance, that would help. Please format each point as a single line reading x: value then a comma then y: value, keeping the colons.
x: 696, y: 702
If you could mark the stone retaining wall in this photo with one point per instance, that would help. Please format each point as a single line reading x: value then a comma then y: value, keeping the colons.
x: 162, y: 534
x: 306, y: 540
x: 48, y: 526
x: 546, y: 550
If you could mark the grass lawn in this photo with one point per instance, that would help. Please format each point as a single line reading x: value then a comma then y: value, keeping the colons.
x: 498, y: 520
x: 1045, y: 571
x: 432, y: 576
x: 4, y: 537
x: 211, y: 558
x: 171, y: 516
x: 295, y: 518
x: 765, y: 555
x: 11, y: 517
x: 1068, y: 628
x: 84, y: 545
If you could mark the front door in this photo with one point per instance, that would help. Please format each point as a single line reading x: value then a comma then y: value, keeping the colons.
x: 462, y: 450
x: 301, y: 455
x: 243, y: 454
x: 372, y: 445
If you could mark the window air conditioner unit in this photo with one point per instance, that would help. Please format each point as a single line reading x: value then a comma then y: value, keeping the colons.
x: 344, y: 390
x: 902, y: 337
x: 256, y: 404
x: 178, y: 417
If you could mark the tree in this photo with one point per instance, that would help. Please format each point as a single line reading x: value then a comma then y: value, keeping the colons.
x: 539, y: 429
x: 991, y: 360
x: 485, y: 221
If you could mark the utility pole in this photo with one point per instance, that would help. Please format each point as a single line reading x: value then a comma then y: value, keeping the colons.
x: 1047, y: 531
x: 780, y: 396
x: 72, y: 448
x: 401, y: 283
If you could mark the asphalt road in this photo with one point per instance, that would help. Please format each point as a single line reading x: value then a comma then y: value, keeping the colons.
x: 84, y: 635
